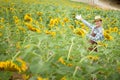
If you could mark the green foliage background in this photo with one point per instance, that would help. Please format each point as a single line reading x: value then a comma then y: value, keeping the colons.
x: 44, y: 51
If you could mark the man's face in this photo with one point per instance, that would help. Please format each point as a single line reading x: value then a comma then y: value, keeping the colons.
x: 98, y: 23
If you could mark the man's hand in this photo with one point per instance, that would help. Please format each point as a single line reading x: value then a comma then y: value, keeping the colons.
x: 79, y: 17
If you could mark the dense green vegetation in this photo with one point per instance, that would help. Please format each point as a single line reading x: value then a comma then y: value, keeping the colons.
x: 42, y: 40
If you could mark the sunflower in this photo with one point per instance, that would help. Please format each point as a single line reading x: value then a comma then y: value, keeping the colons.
x: 63, y: 78
x: 102, y: 44
x: 61, y: 60
x: 1, y: 34
x: 28, y: 18
x: 92, y: 57
x: 9, y: 66
x: 80, y: 31
x: 39, y: 78
x: 66, y: 19
x: 23, y: 66
x: 107, y: 36
x: 115, y: 29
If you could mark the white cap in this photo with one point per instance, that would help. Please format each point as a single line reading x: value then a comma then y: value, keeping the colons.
x: 98, y: 18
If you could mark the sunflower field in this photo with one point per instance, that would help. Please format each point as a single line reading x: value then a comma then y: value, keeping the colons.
x: 42, y: 40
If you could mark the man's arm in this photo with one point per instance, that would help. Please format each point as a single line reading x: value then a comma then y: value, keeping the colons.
x: 79, y: 17
x: 87, y: 23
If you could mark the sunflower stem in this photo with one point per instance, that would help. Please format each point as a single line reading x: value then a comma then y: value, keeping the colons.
x: 13, y: 58
x: 75, y: 71
x: 70, y: 50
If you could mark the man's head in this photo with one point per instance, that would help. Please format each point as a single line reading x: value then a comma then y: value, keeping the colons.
x: 98, y: 21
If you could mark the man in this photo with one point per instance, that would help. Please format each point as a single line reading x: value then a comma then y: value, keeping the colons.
x: 96, y: 31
